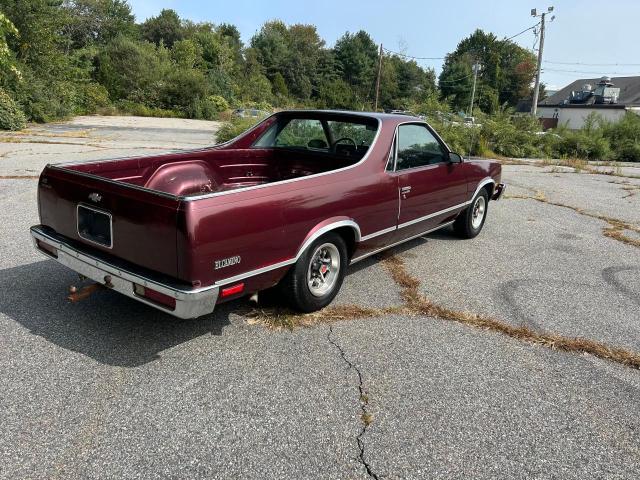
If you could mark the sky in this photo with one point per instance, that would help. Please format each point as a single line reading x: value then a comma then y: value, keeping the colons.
x: 585, y: 35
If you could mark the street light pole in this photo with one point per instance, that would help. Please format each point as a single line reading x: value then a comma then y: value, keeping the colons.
x: 476, y: 69
x: 375, y: 105
x: 536, y: 88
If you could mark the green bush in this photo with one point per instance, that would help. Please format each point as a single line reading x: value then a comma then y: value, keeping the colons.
x: 140, y: 110
x: 94, y: 97
x: 235, y: 127
x: 11, y: 117
x: 208, y: 108
x: 624, y: 137
x: 628, y: 152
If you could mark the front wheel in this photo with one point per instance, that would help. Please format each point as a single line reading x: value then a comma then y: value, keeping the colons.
x: 470, y: 221
x: 315, y: 279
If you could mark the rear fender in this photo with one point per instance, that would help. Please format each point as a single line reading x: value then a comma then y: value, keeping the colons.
x: 325, y: 227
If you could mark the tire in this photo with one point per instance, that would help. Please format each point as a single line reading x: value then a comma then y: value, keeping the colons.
x: 303, y: 286
x: 471, y: 220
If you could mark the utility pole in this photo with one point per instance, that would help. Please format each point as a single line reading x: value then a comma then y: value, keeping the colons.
x: 536, y: 88
x: 375, y: 105
x: 476, y: 69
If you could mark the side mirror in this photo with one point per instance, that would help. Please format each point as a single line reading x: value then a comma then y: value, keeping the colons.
x: 455, y: 157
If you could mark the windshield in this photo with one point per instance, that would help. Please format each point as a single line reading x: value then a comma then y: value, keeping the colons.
x: 341, y: 136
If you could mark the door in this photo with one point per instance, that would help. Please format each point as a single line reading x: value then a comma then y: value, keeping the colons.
x: 431, y: 188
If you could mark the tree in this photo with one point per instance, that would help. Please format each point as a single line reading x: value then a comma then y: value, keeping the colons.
x: 133, y: 70
x: 506, y: 75
x: 7, y: 28
x: 279, y: 86
x: 165, y: 28
x: 358, y: 58
x: 97, y: 21
x: 293, y: 52
x: 186, y: 53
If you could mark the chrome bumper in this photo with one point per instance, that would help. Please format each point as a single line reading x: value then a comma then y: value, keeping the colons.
x: 189, y: 303
x: 498, y: 191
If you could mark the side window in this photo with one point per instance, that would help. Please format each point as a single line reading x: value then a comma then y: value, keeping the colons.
x: 417, y: 147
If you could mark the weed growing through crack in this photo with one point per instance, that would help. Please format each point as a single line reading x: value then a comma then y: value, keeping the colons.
x: 615, y: 230
x: 417, y: 304
x: 421, y: 305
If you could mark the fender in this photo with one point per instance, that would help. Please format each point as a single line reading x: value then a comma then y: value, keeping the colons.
x: 326, y: 226
x: 315, y: 233
x: 483, y: 182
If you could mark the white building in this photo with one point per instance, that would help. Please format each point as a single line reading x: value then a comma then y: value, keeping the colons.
x: 610, y: 98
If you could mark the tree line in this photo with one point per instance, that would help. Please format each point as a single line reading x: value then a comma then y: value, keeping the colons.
x: 64, y: 57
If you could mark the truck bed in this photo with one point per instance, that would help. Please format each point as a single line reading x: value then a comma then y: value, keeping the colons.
x: 207, y: 171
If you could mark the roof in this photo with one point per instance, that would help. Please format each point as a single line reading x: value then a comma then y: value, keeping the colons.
x: 629, y: 92
x: 376, y: 115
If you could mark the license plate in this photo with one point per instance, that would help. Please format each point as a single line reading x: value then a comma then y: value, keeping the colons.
x: 95, y: 226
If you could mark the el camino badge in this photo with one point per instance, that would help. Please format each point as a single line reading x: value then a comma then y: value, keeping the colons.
x: 226, y: 262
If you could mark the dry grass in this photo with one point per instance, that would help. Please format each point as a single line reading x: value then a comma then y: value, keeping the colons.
x: 414, y: 303
x: 279, y: 318
x: 417, y: 303
x: 40, y: 133
x: 366, y: 418
x: 19, y: 177
x: 577, y: 164
x: 614, y: 230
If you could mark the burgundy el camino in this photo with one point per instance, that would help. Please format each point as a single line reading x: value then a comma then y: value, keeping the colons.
x: 288, y: 204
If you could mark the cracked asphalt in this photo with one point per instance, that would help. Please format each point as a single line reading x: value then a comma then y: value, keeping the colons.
x: 108, y: 388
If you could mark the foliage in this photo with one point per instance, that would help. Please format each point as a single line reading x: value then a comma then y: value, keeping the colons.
x: 6, y: 28
x: 66, y: 57
x: 11, y: 117
x: 165, y: 29
x: 230, y: 130
x: 505, y: 77
x: 97, y: 21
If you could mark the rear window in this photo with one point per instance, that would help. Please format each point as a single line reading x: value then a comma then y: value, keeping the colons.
x: 336, y: 136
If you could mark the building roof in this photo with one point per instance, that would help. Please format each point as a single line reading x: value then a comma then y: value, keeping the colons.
x: 629, y: 92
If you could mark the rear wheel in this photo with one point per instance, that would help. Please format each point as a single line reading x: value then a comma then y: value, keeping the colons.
x: 470, y: 221
x: 315, y: 279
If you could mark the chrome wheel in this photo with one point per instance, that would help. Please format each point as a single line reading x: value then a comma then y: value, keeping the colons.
x: 324, y: 269
x: 479, y: 209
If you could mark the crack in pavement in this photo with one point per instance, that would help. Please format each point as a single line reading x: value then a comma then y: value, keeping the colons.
x: 366, y: 418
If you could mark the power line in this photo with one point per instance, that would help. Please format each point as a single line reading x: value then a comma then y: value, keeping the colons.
x: 588, y: 72
x: 595, y: 64
x: 411, y: 56
x: 523, y: 31
x: 455, y: 80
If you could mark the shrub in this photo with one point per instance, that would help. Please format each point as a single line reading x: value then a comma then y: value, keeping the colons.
x: 11, y: 117
x: 208, y: 108
x: 628, y: 152
x: 140, y: 110
x: 235, y: 127
x: 94, y: 97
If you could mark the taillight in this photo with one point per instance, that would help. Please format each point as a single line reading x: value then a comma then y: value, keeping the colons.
x: 227, y: 292
x: 154, y: 296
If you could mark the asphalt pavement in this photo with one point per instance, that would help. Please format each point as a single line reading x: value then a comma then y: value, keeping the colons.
x: 108, y: 388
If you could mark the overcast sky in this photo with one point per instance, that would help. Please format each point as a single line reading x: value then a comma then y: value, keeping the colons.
x: 585, y: 35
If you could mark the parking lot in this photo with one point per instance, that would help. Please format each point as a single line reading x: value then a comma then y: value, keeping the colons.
x: 376, y: 388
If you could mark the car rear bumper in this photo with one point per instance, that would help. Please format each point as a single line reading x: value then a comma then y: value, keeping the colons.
x: 189, y: 303
x: 498, y: 191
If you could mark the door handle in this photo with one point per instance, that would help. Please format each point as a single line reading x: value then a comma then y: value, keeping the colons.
x: 405, y: 189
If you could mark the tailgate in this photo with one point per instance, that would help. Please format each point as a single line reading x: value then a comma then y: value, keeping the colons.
x: 119, y: 219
